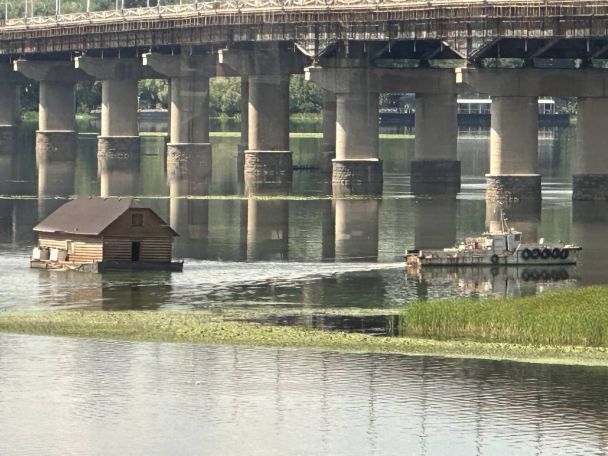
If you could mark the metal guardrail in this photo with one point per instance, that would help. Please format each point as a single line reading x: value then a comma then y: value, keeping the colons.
x: 238, y: 6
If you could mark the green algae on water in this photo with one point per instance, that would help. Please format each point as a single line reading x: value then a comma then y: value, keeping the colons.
x: 210, y: 328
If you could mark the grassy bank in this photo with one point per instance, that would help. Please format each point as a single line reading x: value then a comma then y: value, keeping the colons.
x: 211, y: 328
x: 569, y: 318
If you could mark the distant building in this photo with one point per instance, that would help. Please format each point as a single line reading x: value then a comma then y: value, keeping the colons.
x: 104, y: 234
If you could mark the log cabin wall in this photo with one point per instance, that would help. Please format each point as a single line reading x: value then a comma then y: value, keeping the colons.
x: 152, y: 249
x: 80, y: 249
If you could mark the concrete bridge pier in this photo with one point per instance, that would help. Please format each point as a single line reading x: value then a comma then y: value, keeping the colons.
x: 435, y: 168
x: 590, y: 179
x: 9, y: 109
x: 328, y: 144
x: 56, y: 133
x: 268, y: 67
x: 189, y: 75
x: 356, y: 168
x: 514, y: 149
x: 119, y: 124
x: 514, y: 125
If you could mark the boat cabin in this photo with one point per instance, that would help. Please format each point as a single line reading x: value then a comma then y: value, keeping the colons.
x: 104, y: 234
x: 502, y: 242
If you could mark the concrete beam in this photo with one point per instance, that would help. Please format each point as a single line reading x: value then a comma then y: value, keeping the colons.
x: 56, y: 71
x: 181, y: 65
x: 414, y: 80
x: 534, y: 82
x: 264, y: 59
x: 102, y: 69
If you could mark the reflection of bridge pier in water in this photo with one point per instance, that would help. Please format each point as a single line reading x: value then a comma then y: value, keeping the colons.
x: 189, y: 176
x: 590, y: 224
x: 267, y: 222
x: 56, y: 175
x: 523, y: 216
x: 118, y: 173
x: 356, y: 229
x: 435, y: 222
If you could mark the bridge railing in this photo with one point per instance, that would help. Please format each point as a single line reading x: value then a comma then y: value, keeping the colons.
x: 236, y: 6
x: 209, y: 7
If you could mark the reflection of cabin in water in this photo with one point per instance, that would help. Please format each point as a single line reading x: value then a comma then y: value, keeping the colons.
x: 102, y: 234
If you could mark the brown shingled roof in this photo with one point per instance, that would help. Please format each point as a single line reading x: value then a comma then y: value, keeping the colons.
x: 85, y: 216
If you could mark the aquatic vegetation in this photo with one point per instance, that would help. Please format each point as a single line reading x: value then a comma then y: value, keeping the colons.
x: 212, y: 328
x: 571, y: 318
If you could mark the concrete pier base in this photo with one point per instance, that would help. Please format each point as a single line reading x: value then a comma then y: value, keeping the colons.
x: 268, y: 165
x: 590, y: 187
x: 61, y: 145
x: 513, y: 187
x: 8, y: 136
x: 362, y: 176
x: 117, y: 146
x: 435, y: 176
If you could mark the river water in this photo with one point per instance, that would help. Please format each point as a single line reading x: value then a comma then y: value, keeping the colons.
x: 285, y: 253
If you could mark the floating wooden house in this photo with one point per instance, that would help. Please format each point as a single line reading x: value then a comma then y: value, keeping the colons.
x: 104, y: 234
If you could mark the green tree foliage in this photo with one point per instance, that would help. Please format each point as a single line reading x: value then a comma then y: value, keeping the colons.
x: 88, y: 96
x: 224, y: 97
x: 153, y: 93
x: 305, y: 97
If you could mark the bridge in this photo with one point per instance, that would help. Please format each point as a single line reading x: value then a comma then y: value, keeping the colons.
x: 353, y: 49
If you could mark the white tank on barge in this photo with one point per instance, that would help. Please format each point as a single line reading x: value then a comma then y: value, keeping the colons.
x: 496, y: 248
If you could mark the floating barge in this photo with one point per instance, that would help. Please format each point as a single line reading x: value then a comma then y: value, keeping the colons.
x: 502, y: 248
x: 99, y: 235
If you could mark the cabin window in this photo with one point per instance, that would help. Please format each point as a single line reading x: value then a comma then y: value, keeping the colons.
x: 137, y: 219
x: 517, y: 237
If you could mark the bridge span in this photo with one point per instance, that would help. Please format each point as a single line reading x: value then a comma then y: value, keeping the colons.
x: 355, y: 50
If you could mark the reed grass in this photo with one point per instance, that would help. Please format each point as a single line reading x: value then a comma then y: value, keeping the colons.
x: 567, y: 318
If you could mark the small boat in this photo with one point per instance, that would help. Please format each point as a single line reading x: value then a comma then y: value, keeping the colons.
x: 502, y: 248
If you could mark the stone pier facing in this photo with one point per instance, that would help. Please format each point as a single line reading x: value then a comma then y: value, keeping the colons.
x: 357, y: 176
x: 268, y: 165
x: 118, y: 146
x: 513, y: 187
x: 57, y: 145
x: 590, y: 187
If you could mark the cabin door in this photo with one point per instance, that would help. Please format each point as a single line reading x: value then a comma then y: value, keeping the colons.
x: 135, y: 250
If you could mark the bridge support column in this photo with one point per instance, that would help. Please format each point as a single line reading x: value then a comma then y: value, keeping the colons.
x: 590, y: 181
x: 119, y: 125
x: 119, y: 136
x: 328, y: 145
x: 244, y: 141
x: 436, y: 168
x: 514, y: 149
x: 268, y: 159
x: 356, y: 168
x: 56, y: 135
x: 8, y: 116
x: 189, y: 78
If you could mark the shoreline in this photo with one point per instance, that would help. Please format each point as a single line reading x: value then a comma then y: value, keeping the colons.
x: 211, y: 328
